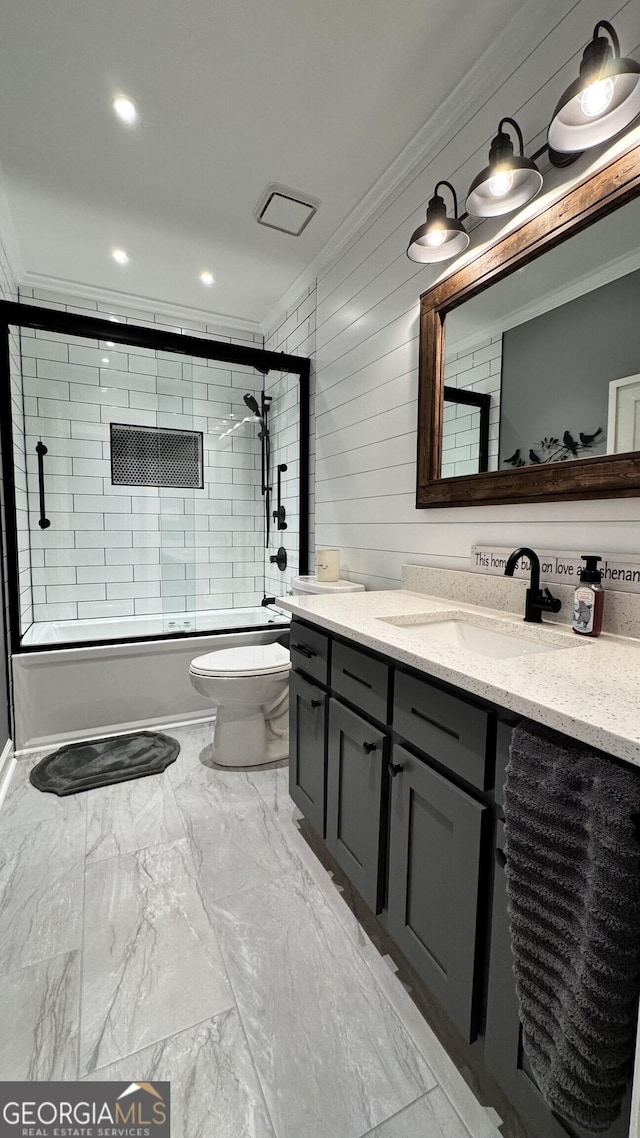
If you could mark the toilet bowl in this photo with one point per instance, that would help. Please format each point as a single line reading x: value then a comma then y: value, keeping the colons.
x: 250, y: 688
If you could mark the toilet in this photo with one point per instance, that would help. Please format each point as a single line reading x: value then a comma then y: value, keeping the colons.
x: 250, y: 687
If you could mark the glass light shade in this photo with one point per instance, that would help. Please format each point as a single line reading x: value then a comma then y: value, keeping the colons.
x: 491, y: 195
x: 508, y: 182
x: 574, y: 128
x: 450, y: 241
x: 440, y: 237
x: 602, y: 102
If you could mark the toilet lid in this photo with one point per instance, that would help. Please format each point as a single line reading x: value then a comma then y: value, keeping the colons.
x: 252, y: 660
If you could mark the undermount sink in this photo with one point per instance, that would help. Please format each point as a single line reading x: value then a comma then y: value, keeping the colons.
x: 477, y: 635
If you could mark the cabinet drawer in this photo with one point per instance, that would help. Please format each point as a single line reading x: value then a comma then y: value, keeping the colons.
x: 310, y: 652
x: 449, y: 729
x: 362, y: 680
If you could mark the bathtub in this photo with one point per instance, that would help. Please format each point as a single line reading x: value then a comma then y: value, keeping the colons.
x: 100, y: 689
x: 135, y: 627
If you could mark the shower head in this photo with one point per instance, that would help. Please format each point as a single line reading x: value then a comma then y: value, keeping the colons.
x: 252, y: 404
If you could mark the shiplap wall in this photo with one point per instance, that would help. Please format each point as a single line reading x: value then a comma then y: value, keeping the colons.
x: 366, y: 354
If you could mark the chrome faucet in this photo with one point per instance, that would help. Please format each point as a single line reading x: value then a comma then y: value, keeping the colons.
x: 537, y: 600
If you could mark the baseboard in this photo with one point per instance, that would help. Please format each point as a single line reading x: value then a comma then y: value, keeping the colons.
x: 7, y: 764
x: 89, y: 735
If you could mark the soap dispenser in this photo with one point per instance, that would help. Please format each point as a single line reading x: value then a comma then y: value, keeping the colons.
x: 588, y: 599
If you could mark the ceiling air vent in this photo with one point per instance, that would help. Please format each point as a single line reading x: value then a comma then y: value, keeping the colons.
x: 285, y: 209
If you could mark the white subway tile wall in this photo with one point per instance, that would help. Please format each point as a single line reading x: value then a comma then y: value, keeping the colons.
x: 477, y: 369
x: 295, y: 334
x: 120, y: 550
x: 284, y: 425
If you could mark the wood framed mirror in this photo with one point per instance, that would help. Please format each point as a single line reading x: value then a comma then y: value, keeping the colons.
x: 555, y: 414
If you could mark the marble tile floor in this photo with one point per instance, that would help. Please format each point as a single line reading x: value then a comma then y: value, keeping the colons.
x: 178, y: 927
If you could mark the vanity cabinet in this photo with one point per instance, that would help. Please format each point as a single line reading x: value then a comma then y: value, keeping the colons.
x: 357, y: 758
x: 434, y: 877
x: 408, y: 837
x: 403, y: 778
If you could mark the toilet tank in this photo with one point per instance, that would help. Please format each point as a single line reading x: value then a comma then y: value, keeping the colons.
x: 300, y: 585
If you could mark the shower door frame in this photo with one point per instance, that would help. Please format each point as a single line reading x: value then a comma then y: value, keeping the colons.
x: 13, y: 313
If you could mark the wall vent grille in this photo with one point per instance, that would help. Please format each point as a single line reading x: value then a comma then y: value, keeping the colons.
x: 156, y: 456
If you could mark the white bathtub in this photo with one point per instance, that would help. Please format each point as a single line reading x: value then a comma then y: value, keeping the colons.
x: 76, y: 693
x: 133, y: 627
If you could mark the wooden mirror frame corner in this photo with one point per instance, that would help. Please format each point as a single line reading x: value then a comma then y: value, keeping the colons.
x: 608, y: 476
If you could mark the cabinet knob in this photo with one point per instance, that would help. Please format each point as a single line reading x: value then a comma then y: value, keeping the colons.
x: 316, y: 702
x: 369, y: 747
x: 395, y: 768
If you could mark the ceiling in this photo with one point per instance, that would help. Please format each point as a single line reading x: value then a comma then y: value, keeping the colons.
x: 320, y: 96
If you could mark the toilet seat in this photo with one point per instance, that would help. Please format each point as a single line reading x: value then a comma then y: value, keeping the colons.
x: 254, y: 660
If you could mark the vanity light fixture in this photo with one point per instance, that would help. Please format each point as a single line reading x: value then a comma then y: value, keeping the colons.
x: 440, y: 237
x: 508, y: 182
x: 120, y: 256
x: 602, y: 101
x: 125, y: 109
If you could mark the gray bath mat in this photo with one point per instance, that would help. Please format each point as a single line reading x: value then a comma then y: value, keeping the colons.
x: 84, y: 766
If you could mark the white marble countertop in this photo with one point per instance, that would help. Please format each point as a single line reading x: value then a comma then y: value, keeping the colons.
x: 590, y: 691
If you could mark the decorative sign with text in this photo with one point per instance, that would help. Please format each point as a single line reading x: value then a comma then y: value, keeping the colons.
x: 620, y: 571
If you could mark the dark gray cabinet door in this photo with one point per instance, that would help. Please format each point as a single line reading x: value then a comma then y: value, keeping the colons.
x: 434, y: 868
x: 307, y: 720
x: 356, y: 757
x: 504, y: 1054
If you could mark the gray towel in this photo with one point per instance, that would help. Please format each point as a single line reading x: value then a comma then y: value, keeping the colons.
x: 573, y: 886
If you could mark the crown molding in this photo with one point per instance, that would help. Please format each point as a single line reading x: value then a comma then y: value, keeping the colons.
x: 175, y: 313
x: 514, y: 43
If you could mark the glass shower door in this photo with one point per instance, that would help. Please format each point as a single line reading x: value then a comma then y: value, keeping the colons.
x: 139, y: 477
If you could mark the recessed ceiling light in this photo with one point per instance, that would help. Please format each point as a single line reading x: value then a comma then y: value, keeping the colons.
x: 125, y: 109
x: 206, y: 277
x: 120, y: 256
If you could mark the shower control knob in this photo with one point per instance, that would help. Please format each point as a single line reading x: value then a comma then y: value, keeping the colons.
x: 280, y: 559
